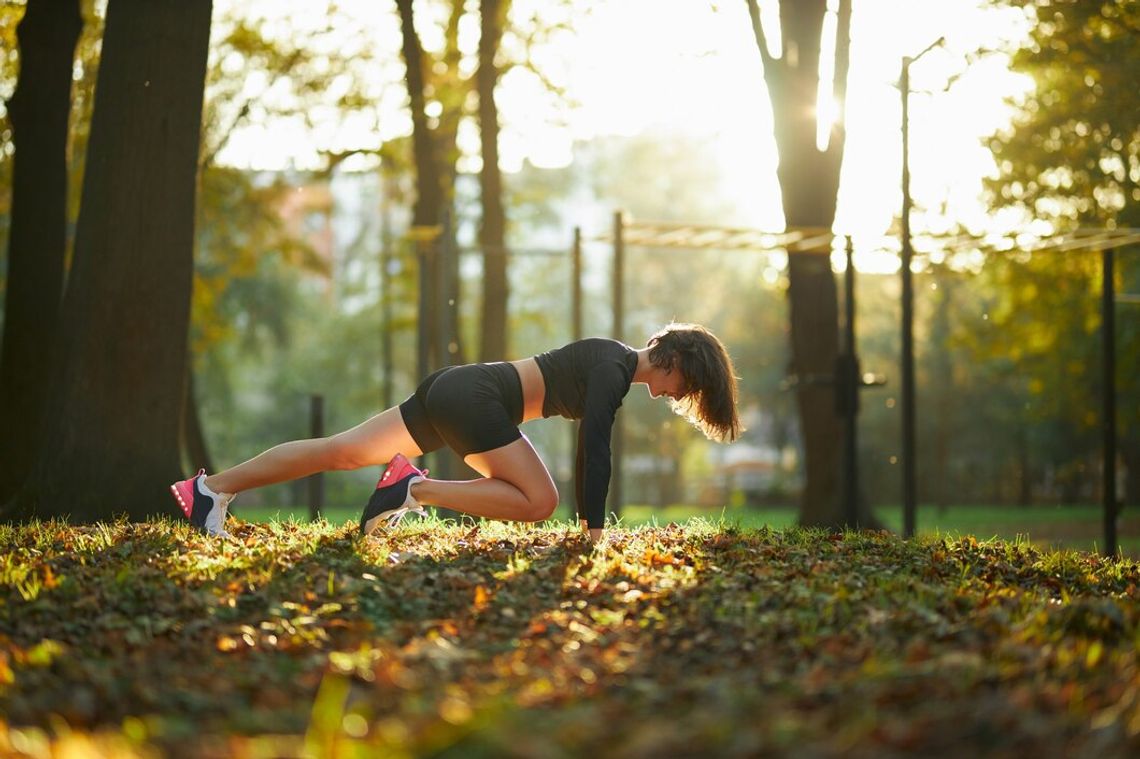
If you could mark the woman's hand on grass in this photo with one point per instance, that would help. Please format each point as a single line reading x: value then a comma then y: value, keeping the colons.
x: 595, y: 534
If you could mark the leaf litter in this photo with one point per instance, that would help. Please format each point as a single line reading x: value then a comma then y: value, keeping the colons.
x: 494, y: 639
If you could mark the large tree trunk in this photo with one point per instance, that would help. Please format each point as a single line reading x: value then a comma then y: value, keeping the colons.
x: 814, y: 314
x: 193, y: 435
x: 492, y: 232
x: 451, y: 89
x: 429, y: 180
x: 809, y: 183
x: 427, y: 211
x: 429, y: 150
x: 38, y: 236
x: 111, y: 442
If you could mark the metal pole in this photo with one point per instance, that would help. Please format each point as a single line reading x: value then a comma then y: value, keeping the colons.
x: 908, y: 424
x: 576, y: 286
x: 425, y: 258
x: 386, y: 360
x: 446, y: 340
x: 575, y: 334
x: 849, y: 383
x: 446, y: 463
x: 617, y: 496
x: 1108, y: 370
x: 619, y: 277
x: 909, y: 490
x: 316, y: 481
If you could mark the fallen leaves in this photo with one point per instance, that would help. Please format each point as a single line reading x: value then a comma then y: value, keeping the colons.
x: 513, y: 639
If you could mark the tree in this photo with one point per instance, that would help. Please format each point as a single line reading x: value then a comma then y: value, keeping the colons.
x: 434, y: 185
x: 111, y: 441
x: 809, y: 183
x: 432, y: 193
x: 1071, y: 156
x: 492, y: 231
x: 37, y: 240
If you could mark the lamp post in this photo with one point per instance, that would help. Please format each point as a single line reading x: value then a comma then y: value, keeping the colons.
x: 907, y: 253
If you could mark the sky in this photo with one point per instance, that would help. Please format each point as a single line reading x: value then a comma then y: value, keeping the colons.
x: 692, y: 66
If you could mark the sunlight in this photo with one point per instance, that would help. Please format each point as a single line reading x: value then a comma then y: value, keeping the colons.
x: 696, y: 71
x: 827, y: 110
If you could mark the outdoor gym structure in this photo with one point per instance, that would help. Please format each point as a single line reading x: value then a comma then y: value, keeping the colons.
x: 436, y: 252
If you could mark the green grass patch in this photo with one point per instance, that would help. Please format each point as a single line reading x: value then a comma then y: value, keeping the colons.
x: 499, y: 639
x: 1077, y: 527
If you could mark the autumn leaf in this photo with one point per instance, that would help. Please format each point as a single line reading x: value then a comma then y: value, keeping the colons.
x: 499, y: 639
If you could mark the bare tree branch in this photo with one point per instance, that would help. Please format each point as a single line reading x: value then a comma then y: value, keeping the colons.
x: 770, y: 64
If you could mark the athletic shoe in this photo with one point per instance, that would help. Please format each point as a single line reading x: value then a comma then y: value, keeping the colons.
x: 205, y: 509
x: 392, y: 499
x: 398, y: 468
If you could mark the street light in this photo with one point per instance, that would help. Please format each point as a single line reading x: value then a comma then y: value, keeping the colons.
x: 907, y: 253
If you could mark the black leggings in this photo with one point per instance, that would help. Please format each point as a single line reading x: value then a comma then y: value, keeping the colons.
x: 471, y: 408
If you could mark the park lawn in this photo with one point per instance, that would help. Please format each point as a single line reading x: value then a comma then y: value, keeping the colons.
x: 513, y: 640
x: 1077, y: 527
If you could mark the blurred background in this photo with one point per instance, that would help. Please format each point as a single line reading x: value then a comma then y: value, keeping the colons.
x: 310, y: 234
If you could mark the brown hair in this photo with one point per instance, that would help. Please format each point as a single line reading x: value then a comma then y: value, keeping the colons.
x: 709, y: 402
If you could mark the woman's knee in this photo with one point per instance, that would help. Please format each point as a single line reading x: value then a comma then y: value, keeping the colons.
x: 541, y: 504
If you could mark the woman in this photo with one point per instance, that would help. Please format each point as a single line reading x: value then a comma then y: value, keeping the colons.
x: 475, y: 410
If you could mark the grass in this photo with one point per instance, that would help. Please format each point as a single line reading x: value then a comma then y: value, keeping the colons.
x: 495, y: 639
x: 1077, y: 527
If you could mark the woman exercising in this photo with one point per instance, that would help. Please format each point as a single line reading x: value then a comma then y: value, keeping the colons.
x: 476, y: 410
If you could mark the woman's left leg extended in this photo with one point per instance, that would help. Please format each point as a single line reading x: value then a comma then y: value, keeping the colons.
x: 369, y: 443
x: 517, y: 486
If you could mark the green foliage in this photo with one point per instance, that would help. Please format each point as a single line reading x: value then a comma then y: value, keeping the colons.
x: 495, y: 638
x: 1071, y: 157
x: 10, y: 15
x: 1073, y: 150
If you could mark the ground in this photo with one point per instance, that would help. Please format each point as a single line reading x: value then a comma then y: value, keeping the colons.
x: 499, y: 640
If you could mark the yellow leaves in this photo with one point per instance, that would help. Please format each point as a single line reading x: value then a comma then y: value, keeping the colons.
x: 226, y: 643
x: 582, y: 632
x: 455, y: 708
x: 653, y: 557
x: 41, y: 654
x: 482, y: 598
x: 631, y: 595
x: 7, y: 676
x: 417, y: 658
x: 50, y: 581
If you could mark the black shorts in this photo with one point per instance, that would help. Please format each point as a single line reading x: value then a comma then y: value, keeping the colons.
x: 471, y: 408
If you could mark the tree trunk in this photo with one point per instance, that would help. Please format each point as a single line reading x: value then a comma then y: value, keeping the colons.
x: 492, y: 231
x: 814, y: 312
x: 809, y: 183
x: 37, y: 239
x: 432, y: 200
x: 451, y: 90
x: 111, y: 441
x: 429, y: 181
x: 193, y: 436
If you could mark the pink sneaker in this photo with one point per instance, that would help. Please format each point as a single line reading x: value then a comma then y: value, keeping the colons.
x: 392, y: 498
x: 205, y: 509
x: 398, y: 468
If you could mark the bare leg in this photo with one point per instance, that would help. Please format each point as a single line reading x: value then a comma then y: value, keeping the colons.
x: 517, y: 486
x: 370, y: 443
